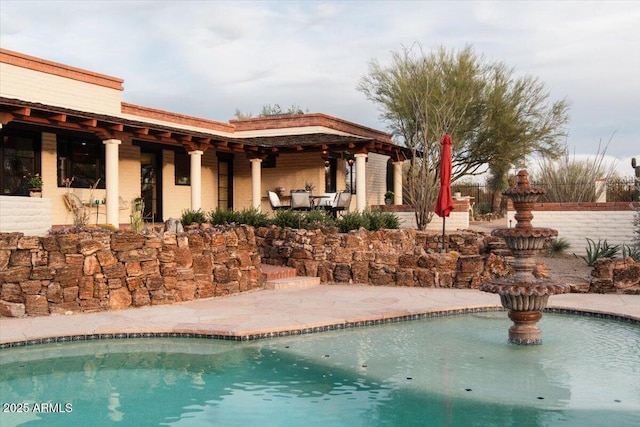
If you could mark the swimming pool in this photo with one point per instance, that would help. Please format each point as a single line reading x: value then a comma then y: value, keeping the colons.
x: 455, y: 370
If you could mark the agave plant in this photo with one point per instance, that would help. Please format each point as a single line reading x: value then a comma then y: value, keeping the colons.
x: 598, y: 250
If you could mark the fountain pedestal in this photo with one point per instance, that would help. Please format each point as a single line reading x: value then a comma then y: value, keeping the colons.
x: 523, y: 295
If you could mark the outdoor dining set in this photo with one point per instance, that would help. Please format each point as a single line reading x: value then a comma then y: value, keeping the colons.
x: 302, y: 200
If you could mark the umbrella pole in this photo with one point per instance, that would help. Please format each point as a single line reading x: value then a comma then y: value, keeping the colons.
x: 444, y: 219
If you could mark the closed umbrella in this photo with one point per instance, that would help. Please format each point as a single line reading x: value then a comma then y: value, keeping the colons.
x: 444, y: 204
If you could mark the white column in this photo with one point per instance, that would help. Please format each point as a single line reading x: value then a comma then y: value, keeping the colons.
x: 195, y: 158
x: 397, y: 182
x: 112, y: 179
x: 361, y: 182
x: 256, y: 180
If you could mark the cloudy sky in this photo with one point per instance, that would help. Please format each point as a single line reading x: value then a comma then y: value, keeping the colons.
x: 209, y: 58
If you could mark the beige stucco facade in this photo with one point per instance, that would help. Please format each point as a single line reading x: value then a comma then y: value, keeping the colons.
x: 52, y: 98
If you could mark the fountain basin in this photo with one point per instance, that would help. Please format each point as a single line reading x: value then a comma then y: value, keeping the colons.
x: 525, y: 302
x: 530, y: 239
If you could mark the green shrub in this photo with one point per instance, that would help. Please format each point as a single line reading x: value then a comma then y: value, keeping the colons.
x: 381, y: 220
x: 556, y: 247
x: 287, y: 218
x: 352, y: 221
x: 223, y: 216
x: 253, y: 218
x: 481, y: 208
x: 318, y: 219
x: 190, y: 216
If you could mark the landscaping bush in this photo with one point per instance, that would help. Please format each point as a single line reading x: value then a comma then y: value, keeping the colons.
x: 352, y: 221
x: 287, y: 218
x: 556, y: 247
x: 318, y: 219
x: 223, y: 217
x: 382, y: 220
x: 190, y: 217
x: 253, y: 218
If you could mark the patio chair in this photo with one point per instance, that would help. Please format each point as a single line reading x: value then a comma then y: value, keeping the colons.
x: 326, y: 200
x: 342, y: 203
x: 300, y: 201
x: 274, y: 201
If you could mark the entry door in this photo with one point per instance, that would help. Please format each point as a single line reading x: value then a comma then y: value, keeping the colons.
x: 151, y: 184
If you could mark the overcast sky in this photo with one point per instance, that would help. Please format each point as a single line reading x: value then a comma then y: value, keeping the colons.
x: 209, y: 58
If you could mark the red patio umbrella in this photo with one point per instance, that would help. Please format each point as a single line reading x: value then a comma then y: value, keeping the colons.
x: 444, y: 204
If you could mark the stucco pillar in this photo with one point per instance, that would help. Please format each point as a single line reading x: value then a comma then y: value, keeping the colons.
x: 195, y: 158
x: 112, y: 178
x: 256, y: 180
x: 397, y: 182
x: 361, y: 182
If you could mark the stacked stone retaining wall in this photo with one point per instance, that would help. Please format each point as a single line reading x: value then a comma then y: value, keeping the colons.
x: 404, y: 257
x: 97, y: 271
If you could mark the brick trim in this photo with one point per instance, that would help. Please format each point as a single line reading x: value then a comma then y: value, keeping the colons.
x: 307, y: 120
x: 582, y: 206
x: 167, y: 116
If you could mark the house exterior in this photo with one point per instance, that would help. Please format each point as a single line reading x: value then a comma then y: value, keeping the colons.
x: 71, y: 127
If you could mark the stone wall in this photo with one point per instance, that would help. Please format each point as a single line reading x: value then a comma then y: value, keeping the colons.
x: 615, y: 276
x: 97, y: 271
x: 404, y: 257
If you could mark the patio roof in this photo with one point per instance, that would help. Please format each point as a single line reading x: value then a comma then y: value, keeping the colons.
x: 257, y: 137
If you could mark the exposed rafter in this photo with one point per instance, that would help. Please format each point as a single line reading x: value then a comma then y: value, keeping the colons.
x: 106, y: 127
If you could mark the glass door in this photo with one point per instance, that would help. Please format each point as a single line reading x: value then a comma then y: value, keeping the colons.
x: 151, y: 185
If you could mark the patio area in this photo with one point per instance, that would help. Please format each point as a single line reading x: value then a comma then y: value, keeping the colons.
x: 266, y: 313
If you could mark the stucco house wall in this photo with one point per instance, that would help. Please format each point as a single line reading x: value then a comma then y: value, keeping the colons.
x: 56, y: 92
x: 63, y: 86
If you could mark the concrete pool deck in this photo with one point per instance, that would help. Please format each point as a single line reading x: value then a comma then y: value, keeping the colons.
x: 272, y: 312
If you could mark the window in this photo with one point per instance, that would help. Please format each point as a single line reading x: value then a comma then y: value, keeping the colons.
x: 81, y: 160
x: 18, y: 156
x: 183, y: 168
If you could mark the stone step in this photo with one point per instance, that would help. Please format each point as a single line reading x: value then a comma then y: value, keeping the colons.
x: 273, y: 272
x: 292, y: 283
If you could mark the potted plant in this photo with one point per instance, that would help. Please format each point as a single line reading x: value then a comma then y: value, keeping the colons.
x: 388, y: 197
x: 309, y: 187
x: 34, y: 184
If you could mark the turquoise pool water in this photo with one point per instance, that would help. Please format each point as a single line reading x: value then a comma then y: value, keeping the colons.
x: 449, y: 371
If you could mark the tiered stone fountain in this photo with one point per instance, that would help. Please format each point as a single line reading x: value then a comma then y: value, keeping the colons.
x: 524, y: 295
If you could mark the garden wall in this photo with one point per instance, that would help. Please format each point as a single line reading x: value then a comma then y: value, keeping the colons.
x: 404, y: 257
x: 575, y: 222
x: 458, y: 219
x: 97, y: 271
x: 30, y: 215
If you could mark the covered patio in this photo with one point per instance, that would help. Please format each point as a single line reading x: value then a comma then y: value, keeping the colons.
x: 72, y: 127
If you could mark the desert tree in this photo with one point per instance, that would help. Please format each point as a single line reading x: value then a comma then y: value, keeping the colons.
x: 492, y: 117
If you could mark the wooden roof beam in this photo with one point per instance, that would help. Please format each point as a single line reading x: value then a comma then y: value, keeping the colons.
x: 58, y: 118
x: 88, y: 122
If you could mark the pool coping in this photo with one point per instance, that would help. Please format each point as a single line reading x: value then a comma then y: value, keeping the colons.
x: 300, y: 331
x: 268, y: 314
